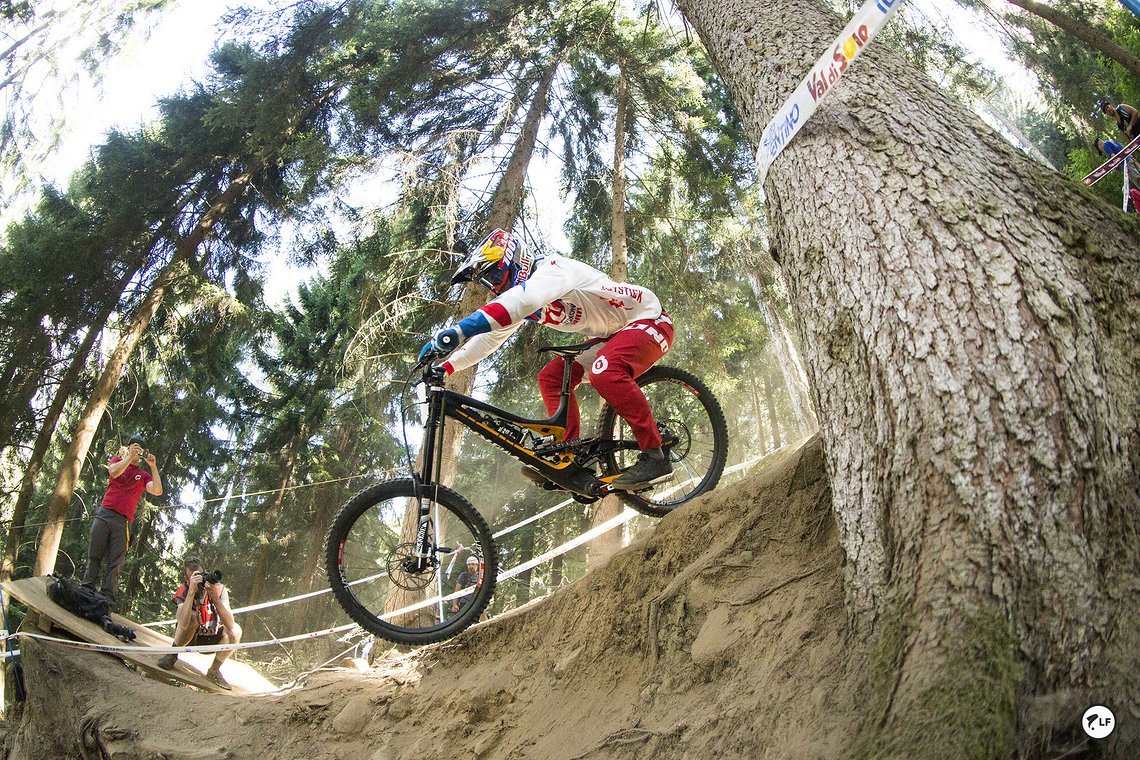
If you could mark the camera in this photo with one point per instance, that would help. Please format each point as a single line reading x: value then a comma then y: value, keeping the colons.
x: 211, y: 576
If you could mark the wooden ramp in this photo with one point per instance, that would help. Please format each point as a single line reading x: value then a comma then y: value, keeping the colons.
x: 43, y: 614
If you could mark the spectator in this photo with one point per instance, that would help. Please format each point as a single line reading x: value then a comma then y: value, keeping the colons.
x: 203, y: 618
x: 111, y: 528
x: 469, y: 578
x: 1126, y: 118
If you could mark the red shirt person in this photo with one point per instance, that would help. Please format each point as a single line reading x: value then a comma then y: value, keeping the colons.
x: 111, y: 528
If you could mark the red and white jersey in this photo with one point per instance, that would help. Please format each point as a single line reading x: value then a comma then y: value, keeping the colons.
x: 564, y: 294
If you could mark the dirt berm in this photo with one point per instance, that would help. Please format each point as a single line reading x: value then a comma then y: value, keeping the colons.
x: 721, y: 635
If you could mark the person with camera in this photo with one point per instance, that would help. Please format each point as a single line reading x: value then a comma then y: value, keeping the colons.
x: 111, y: 528
x: 203, y: 617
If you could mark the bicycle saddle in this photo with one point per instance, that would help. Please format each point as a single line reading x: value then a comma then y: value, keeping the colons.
x: 568, y: 351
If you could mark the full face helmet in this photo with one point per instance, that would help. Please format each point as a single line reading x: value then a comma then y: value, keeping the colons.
x: 499, y: 262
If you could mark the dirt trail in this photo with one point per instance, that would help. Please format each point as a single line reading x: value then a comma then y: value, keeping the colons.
x: 721, y: 635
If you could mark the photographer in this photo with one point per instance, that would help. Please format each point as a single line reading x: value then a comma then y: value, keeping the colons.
x: 203, y: 617
x: 111, y: 528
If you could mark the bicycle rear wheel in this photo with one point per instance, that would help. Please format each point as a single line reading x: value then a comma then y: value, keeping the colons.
x: 385, y: 587
x: 693, y: 431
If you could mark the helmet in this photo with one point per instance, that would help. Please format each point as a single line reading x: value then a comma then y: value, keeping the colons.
x: 472, y: 560
x: 499, y: 262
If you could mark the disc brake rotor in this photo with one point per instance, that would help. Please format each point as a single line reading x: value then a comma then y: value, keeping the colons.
x: 400, y: 560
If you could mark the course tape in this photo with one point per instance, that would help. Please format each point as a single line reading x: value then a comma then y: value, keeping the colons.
x: 625, y: 516
x: 1112, y: 163
x: 319, y: 592
x: 273, y: 603
x: 833, y: 64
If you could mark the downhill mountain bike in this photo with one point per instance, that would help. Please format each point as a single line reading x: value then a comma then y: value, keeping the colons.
x: 393, y: 546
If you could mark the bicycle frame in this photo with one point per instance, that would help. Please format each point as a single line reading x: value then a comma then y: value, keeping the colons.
x: 512, y: 433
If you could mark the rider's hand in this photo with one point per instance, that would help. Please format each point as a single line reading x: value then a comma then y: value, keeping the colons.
x: 442, y: 343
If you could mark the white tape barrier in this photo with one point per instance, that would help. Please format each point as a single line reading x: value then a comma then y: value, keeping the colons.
x: 590, y: 535
x: 274, y: 603
x: 319, y: 592
x: 833, y: 64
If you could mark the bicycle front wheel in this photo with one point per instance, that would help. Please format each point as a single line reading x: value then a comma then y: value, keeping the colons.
x: 693, y: 431
x: 392, y: 590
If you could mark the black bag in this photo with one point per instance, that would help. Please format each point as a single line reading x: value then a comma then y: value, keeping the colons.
x: 88, y: 604
x: 83, y: 601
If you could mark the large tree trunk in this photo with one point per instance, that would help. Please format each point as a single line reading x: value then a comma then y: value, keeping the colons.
x: 969, y: 323
x: 109, y: 379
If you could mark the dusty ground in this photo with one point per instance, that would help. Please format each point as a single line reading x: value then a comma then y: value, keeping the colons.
x: 721, y: 635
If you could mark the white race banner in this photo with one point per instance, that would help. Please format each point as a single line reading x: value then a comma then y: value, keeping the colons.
x: 798, y: 108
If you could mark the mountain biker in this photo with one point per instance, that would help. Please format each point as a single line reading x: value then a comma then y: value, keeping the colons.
x: 630, y: 329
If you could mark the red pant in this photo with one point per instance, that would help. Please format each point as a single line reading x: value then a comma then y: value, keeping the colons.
x: 614, y: 363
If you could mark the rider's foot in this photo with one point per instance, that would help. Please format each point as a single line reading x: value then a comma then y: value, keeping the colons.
x: 652, y: 466
x: 533, y: 475
x: 166, y: 662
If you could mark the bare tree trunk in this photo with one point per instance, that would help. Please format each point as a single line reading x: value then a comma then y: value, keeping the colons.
x: 787, y: 357
x: 773, y: 420
x: 606, y: 545
x: 269, y: 519
x: 505, y: 205
x: 109, y: 379
x: 619, y: 267
x: 761, y: 436
x: 316, y: 541
x: 970, y: 327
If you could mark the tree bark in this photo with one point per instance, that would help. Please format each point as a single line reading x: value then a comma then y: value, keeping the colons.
x: 109, y: 379
x: 1095, y: 38
x: 970, y: 328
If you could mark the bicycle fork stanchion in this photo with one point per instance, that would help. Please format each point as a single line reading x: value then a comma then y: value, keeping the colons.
x: 438, y: 573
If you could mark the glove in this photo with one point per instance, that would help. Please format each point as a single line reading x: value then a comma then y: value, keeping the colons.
x: 442, y: 343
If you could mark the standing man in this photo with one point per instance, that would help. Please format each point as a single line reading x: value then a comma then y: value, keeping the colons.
x: 203, y: 618
x: 111, y: 528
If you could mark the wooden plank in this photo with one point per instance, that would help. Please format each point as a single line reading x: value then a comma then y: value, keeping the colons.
x: 191, y: 667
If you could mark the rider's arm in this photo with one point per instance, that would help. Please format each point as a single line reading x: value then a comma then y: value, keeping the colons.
x: 492, y: 324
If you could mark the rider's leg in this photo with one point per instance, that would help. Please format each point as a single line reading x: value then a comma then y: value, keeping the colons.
x: 625, y: 356
x: 550, y: 385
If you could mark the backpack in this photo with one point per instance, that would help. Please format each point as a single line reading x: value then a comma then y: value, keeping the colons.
x: 88, y: 604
